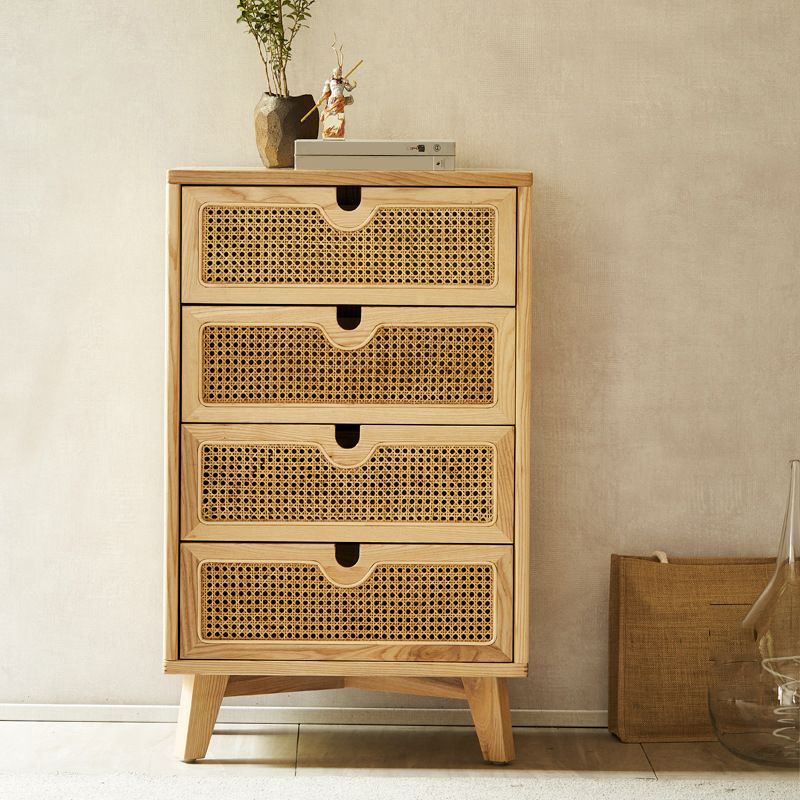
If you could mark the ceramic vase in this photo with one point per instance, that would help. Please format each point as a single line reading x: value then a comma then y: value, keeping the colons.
x: 277, y: 122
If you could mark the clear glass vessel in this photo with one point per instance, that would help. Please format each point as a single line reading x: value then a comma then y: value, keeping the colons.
x: 754, y: 693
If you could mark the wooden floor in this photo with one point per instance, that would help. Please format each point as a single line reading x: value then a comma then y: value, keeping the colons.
x: 362, y: 750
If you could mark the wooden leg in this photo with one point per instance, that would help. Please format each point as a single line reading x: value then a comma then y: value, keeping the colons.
x: 201, y: 698
x: 488, y: 702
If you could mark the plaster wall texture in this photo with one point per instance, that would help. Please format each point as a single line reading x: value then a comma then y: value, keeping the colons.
x: 663, y: 135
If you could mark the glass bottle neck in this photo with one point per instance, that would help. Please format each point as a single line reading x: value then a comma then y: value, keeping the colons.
x: 789, y: 548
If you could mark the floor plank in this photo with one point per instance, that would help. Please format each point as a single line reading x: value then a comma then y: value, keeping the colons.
x: 141, y: 747
x: 105, y: 760
x: 678, y: 760
x: 410, y: 750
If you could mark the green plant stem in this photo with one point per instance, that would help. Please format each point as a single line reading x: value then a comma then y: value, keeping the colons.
x: 263, y: 56
x: 281, y: 61
x: 274, y: 29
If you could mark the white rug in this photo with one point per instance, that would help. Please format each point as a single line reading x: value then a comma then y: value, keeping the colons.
x: 140, y: 787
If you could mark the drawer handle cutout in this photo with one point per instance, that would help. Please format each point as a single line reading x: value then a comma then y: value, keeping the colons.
x: 347, y: 553
x: 348, y: 198
x: 347, y: 436
x: 348, y: 317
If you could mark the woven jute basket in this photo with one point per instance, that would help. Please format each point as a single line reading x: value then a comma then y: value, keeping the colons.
x: 666, y: 620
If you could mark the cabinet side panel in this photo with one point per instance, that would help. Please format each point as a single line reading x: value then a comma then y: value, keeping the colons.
x: 522, y: 514
x: 172, y: 423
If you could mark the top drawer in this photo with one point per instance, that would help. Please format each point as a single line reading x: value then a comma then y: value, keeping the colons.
x: 400, y: 246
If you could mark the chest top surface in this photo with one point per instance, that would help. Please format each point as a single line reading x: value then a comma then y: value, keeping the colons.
x: 249, y: 176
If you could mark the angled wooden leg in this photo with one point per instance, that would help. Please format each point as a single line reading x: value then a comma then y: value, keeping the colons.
x: 201, y: 698
x: 488, y: 702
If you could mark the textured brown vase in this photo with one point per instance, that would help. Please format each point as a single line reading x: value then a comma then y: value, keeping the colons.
x: 278, y: 125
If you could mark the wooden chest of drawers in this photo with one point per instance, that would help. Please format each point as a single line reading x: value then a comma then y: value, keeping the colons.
x: 348, y: 444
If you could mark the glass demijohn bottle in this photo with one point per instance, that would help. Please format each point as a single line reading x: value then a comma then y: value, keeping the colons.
x: 754, y: 696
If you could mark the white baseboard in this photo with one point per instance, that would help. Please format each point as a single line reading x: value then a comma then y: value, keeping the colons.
x: 297, y: 715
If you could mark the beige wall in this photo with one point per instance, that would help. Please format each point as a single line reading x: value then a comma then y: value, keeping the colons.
x: 664, y: 139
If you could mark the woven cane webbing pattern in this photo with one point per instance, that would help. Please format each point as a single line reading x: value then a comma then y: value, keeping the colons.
x: 298, y: 364
x: 295, y: 245
x: 295, y: 482
x: 261, y: 600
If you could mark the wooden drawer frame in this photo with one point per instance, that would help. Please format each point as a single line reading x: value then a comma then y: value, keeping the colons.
x: 208, y: 679
x: 323, y: 198
x: 501, y: 411
x: 499, y: 648
x: 500, y: 529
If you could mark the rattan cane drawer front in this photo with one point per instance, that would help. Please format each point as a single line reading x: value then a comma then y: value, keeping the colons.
x: 296, y: 364
x: 412, y: 483
x: 401, y: 245
x: 398, y: 602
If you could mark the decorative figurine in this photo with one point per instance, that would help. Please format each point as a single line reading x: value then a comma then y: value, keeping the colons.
x: 334, y: 98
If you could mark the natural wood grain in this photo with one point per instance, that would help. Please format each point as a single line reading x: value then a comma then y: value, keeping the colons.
x: 242, y: 685
x: 323, y: 198
x: 425, y: 687
x: 172, y: 412
x: 246, y: 176
x: 488, y: 703
x: 197, y: 666
x: 441, y: 669
x: 522, y: 451
x: 499, y: 648
x: 500, y: 411
x: 500, y: 529
x: 201, y: 697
